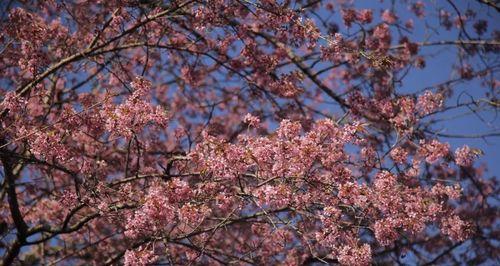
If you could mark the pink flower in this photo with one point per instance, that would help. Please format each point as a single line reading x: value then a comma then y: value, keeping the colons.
x: 355, y: 255
x: 331, y: 216
x: 365, y: 16
x: 275, y: 196
x: 333, y: 51
x: 358, y: 102
x: 369, y: 156
x: 289, y: 129
x: 154, y: 216
x: 382, y: 34
x: 349, y: 16
x: 452, y: 192
x: 389, y: 17
x: 399, y: 155
x: 252, y: 120
x: 433, y: 150
x: 48, y: 145
x: 456, y: 228
x: 465, y: 156
x: 385, y: 231
x: 429, y: 102
x: 192, y: 215
x: 136, y: 113
x: 68, y: 198
x: 13, y: 102
x: 287, y: 85
x: 385, y: 107
x: 141, y: 257
x: 384, y: 180
x: 405, y: 118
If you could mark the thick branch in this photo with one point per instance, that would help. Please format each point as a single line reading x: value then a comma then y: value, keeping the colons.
x: 15, y: 213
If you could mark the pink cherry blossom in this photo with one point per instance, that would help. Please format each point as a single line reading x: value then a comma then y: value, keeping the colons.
x: 429, y: 102
x: 247, y: 132
x: 433, y: 150
x: 389, y: 17
x: 251, y: 120
x: 355, y: 255
x: 464, y: 156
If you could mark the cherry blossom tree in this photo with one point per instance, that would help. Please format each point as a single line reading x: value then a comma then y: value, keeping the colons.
x: 247, y: 132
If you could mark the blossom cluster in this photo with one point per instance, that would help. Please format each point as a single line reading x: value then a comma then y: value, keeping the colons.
x: 429, y: 102
x: 294, y: 161
x: 135, y: 113
x: 465, y: 156
x: 336, y: 159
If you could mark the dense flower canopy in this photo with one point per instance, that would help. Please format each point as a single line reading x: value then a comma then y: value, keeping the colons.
x: 245, y: 132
